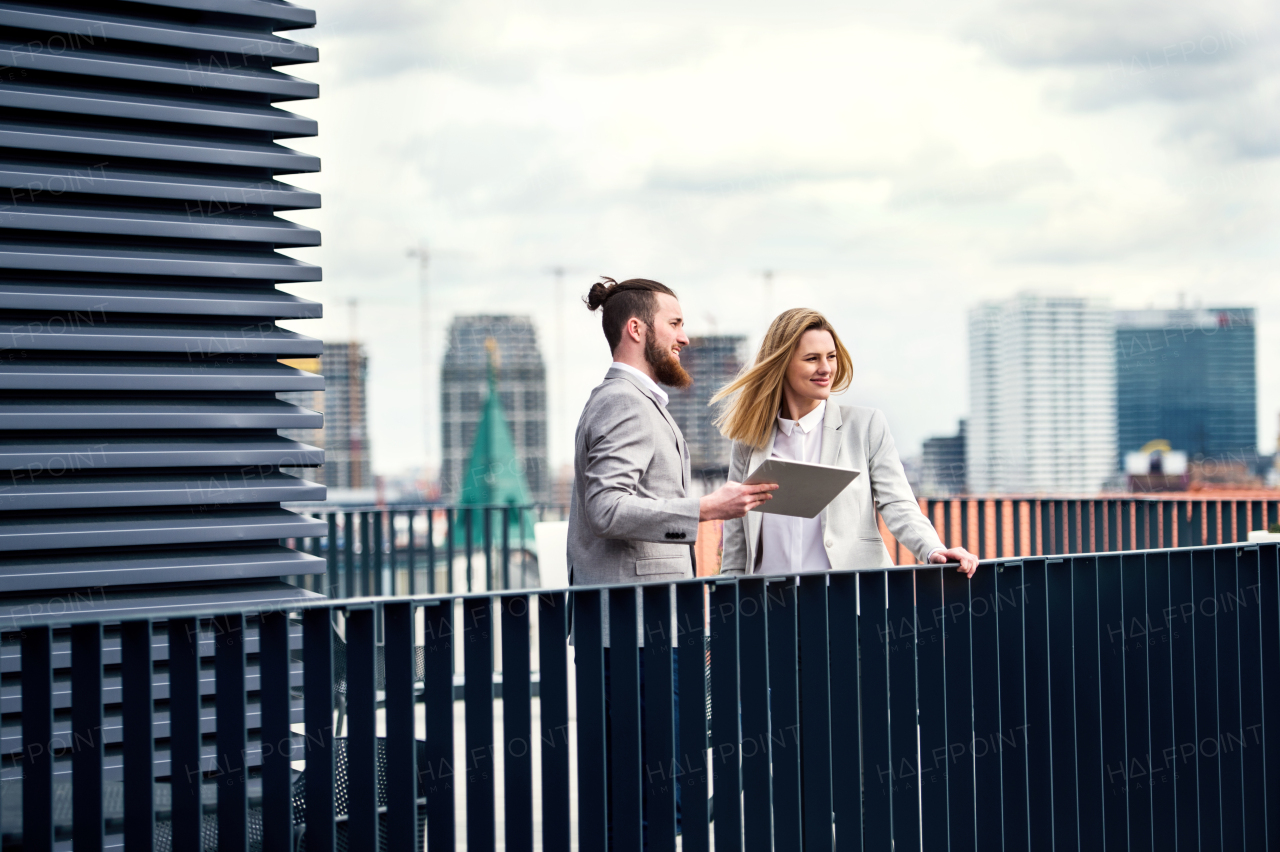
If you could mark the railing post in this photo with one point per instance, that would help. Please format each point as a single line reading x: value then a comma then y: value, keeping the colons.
x: 413, y: 566
x: 138, y: 743
x: 392, y: 554
x: 37, y: 738
x: 362, y: 712
x: 622, y: 715
x: 231, y: 771
x: 349, y: 581
x: 506, y: 547
x: 553, y: 717
x: 87, y: 830
x: 490, y: 575
x: 517, y: 725
x: 982, y: 527
x: 401, y: 745
x: 999, y: 512
x: 757, y: 787
x: 467, y: 515
x: 431, y: 553
x: 660, y: 753
x: 692, y: 720
x: 593, y: 789
x: 277, y: 737
x: 478, y: 711
x: 440, y: 773
x: 317, y: 674
x: 448, y: 551
x: 1016, y: 511
x: 331, y: 558
x: 186, y: 773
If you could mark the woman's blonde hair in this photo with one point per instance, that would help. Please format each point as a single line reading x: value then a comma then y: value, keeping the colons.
x: 755, y: 397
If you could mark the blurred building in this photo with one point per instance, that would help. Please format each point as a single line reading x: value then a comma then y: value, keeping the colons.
x: 942, y: 465
x: 521, y: 390
x: 1188, y: 377
x: 713, y: 361
x: 347, y: 467
x: 1042, y: 396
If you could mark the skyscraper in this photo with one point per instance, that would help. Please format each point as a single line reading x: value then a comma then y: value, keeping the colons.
x: 1042, y: 392
x: 345, y: 434
x: 521, y: 387
x: 713, y: 361
x: 942, y: 464
x: 1188, y: 377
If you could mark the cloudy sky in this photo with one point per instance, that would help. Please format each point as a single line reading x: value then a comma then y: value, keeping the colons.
x: 894, y: 166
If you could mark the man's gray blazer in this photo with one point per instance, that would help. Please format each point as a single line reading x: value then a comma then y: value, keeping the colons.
x: 630, y: 520
x: 856, y: 438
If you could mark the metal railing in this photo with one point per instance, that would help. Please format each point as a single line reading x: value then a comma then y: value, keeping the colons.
x: 1034, y: 526
x: 425, y: 549
x: 1117, y: 701
x: 446, y: 548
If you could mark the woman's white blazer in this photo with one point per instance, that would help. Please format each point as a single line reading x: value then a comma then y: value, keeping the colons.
x: 856, y: 438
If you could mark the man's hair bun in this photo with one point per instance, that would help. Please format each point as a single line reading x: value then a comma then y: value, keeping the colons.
x: 599, y: 292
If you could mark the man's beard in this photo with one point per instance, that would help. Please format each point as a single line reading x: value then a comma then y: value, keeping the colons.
x: 666, y: 366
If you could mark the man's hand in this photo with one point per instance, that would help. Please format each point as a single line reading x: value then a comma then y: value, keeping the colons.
x: 733, y: 500
x: 968, y: 562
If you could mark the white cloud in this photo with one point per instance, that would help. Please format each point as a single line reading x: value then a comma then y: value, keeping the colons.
x: 894, y: 166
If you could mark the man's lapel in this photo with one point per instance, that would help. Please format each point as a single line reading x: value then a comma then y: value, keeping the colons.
x: 666, y: 415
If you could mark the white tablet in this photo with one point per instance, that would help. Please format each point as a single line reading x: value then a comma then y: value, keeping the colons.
x: 804, y: 489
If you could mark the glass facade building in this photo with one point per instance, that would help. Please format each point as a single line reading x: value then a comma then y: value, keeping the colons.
x: 712, y: 361
x: 1188, y: 377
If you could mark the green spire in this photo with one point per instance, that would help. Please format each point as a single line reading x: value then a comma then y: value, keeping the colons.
x: 493, y: 475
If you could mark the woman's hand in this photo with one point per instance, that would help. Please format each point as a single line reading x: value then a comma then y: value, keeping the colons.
x: 968, y: 562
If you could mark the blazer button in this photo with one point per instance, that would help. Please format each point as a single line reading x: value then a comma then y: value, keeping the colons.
x: 830, y: 543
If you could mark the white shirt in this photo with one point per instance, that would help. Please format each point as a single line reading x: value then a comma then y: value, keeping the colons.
x: 791, y: 545
x: 644, y: 378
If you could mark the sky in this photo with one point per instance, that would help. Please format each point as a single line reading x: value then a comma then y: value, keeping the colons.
x: 892, y: 166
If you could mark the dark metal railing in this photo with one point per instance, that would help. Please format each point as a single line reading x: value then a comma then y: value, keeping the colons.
x: 995, y: 528
x: 426, y: 549
x: 446, y: 548
x: 1098, y: 701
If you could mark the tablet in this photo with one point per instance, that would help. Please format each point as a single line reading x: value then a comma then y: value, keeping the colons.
x: 804, y: 489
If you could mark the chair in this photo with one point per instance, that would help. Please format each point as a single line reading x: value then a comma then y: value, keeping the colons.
x: 209, y: 824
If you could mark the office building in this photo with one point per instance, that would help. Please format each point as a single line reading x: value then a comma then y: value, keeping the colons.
x: 942, y: 464
x: 1189, y: 378
x: 344, y: 438
x: 521, y: 388
x: 1042, y: 396
x: 712, y: 361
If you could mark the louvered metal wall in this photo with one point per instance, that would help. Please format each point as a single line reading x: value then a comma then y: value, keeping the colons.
x: 139, y: 158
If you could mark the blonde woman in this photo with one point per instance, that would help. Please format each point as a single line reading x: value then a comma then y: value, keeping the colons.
x: 780, y: 407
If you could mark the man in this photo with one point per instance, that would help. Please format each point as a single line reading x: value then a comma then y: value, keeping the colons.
x: 630, y: 517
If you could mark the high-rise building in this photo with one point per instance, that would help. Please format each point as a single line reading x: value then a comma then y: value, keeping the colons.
x: 942, y: 463
x: 1188, y: 377
x: 712, y: 361
x: 1042, y: 392
x: 521, y: 387
x: 343, y: 402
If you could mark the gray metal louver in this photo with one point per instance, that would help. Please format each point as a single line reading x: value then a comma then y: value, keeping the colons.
x: 139, y: 351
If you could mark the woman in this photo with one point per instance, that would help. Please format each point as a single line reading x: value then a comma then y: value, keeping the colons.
x: 780, y: 408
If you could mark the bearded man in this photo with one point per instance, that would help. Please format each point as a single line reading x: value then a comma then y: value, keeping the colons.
x: 631, y: 519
